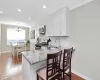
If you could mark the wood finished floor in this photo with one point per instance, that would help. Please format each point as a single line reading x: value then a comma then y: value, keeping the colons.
x: 10, y: 68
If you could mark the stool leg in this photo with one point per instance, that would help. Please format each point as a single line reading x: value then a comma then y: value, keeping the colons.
x: 70, y: 74
x: 17, y: 55
x: 60, y: 75
x: 70, y: 77
x: 37, y: 77
x: 63, y: 76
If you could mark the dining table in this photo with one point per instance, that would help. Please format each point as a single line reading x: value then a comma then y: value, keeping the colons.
x: 18, y: 48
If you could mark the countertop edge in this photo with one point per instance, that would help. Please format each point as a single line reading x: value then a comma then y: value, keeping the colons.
x: 30, y: 62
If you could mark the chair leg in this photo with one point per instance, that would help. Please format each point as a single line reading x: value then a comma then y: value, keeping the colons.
x: 63, y: 76
x: 13, y: 52
x: 70, y: 77
x: 70, y: 74
x: 60, y: 75
x: 17, y: 55
x: 37, y: 77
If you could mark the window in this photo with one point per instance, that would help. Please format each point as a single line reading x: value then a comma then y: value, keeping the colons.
x: 14, y: 36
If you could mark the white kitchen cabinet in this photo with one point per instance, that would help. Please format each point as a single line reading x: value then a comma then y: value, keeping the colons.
x: 50, y: 25
x: 58, y: 23
x: 61, y: 22
x: 64, y: 22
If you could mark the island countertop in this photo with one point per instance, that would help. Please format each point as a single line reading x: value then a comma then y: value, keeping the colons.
x: 36, y: 56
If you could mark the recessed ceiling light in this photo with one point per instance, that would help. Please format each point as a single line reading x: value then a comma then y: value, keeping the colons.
x: 19, y: 10
x: 86, y: 0
x: 44, y: 6
x: 1, y: 12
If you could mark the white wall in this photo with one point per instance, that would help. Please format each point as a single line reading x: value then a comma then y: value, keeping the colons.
x: 0, y: 39
x: 4, y: 46
x: 33, y: 41
x: 85, y: 34
x: 85, y: 37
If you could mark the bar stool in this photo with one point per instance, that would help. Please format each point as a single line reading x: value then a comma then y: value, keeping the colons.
x: 66, y: 63
x: 52, y: 69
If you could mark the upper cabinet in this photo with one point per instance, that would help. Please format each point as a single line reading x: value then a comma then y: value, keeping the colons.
x: 50, y: 25
x: 58, y: 23
x: 65, y: 22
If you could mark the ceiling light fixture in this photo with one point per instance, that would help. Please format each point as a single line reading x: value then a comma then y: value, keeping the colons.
x: 19, y: 10
x: 1, y: 12
x: 44, y: 6
x: 18, y: 29
x: 87, y: 0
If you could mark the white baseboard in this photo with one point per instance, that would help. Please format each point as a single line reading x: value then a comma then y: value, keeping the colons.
x: 79, y: 74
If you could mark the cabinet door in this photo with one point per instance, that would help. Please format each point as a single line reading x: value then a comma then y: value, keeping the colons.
x: 50, y: 25
x: 57, y: 23
x: 64, y: 22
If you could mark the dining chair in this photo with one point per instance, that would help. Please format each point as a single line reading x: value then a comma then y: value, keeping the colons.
x: 66, y: 63
x: 52, y: 69
x: 18, y: 48
x: 25, y: 46
x: 21, y: 46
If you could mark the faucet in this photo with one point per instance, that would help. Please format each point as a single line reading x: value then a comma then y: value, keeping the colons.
x: 59, y: 42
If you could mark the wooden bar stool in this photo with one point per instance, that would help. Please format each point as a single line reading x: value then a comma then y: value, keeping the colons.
x: 66, y: 63
x: 52, y: 69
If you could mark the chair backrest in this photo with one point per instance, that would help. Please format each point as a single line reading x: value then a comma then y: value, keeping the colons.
x: 11, y: 45
x: 67, y: 58
x: 53, y: 64
x: 20, y: 43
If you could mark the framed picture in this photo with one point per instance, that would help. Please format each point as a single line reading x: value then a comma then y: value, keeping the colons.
x: 32, y: 34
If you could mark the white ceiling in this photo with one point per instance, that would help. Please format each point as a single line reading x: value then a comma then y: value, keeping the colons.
x: 33, y: 9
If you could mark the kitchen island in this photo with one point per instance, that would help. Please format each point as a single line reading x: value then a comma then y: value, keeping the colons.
x: 34, y: 60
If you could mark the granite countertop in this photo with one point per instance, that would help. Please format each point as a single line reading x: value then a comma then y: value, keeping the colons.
x: 36, y: 56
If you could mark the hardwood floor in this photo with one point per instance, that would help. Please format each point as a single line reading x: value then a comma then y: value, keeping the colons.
x: 10, y: 68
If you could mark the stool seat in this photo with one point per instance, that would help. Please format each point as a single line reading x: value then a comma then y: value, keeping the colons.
x: 42, y: 73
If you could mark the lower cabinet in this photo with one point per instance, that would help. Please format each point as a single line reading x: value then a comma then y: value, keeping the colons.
x: 29, y: 71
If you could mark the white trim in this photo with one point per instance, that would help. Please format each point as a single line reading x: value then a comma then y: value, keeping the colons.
x: 81, y: 4
x: 79, y: 74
